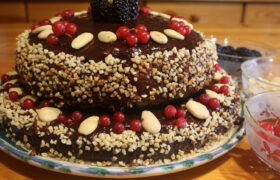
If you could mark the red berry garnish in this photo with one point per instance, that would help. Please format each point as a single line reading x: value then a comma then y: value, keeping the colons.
x: 135, y: 125
x: 268, y: 126
x: 77, y: 115
x: 68, y: 13
x: 173, y: 24
x: 131, y: 39
x: 71, y: 28
x: 65, y: 23
x: 217, y: 67
x: 62, y: 118
x: 181, y: 122
x: 146, y: 10
x: 28, y: 103
x: 45, y: 103
x: 123, y: 32
x: 170, y: 111
x: 13, y: 96
x: 143, y: 36
x: 215, y: 88
x: 118, y: 117
x: 69, y: 121
x: 58, y: 15
x: 104, y: 120
x: 181, y: 30
x: 141, y: 27
x: 204, y: 98
x: 89, y: 9
x: 5, y: 78
x: 8, y: 86
x: 182, y: 24
x: 224, y: 90
x: 34, y: 26
x: 224, y: 80
x: 45, y: 22
x: 214, y: 103
x: 52, y: 39
x: 181, y: 113
x: 277, y: 130
x: 188, y: 30
x: 58, y: 28
x: 118, y: 128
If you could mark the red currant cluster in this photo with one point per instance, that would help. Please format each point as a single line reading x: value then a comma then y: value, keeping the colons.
x: 217, y: 67
x: 180, y: 27
x: 180, y: 114
x: 145, y: 10
x: 133, y: 36
x: 75, y: 117
x: 214, y: 103
x: 119, y: 119
x: 66, y: 14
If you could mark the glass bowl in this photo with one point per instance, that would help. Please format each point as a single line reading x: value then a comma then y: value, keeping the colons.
x: 260, y: 75
x: 232, y: 63
x: 266, y: 146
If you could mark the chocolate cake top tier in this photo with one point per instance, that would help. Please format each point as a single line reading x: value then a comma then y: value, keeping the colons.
x: 113, y: 73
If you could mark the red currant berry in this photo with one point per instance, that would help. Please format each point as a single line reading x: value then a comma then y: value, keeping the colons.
x: 104, y: 120
x: 188, y: 30
x: 143, y: 36
x: 58, y: 15
x: 214, y: 103
x: 170, y: 111
x: 45, y: 22
x: 141, y: 27
x: 123, y: 32
x: 45, y: 103
x: 65, y: 23
x: 118, y: 128
x: 77, y: 115
x: 173, y: 24
x: 204, y: 98
x: 28, y: 103
x: 146, y: 10
x: 8, y: 86
x: 58, y: 28
x: 268, y: 126
x: 89, y: 10
x: 62, y: 118
x: 5, y: 78
x: 118, y: 117
x: 68, y: 13
x: 217, y: 67
x: 181, y: 30
x: 181, y: 113
x: 52, y: 39
x: 13, y: 96
x: 69, y: 121
x: 214, y: 88
x: 182, y: 24
x: 34, y: 26
x: 71, y: 29
x: 181, y: 122
x: 224, y: 80
x: 131, y: 39
x: 224, y: 90
x: 135, y: 125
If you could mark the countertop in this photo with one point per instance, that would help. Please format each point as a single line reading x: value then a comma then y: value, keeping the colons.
x: 239, y: 163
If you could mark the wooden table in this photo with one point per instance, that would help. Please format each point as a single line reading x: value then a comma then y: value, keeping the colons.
x: 239, y: 163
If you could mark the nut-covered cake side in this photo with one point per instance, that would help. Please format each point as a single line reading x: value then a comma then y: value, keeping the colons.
x: 91, y: 90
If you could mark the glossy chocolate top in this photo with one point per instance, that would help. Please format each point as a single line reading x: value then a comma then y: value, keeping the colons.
x: 97, y: 50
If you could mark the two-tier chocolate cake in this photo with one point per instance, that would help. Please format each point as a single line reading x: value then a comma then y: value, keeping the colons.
x: 116, y: 85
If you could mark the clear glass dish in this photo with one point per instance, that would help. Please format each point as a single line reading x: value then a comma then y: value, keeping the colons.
x: 266, y: 145
x: 260, y: 75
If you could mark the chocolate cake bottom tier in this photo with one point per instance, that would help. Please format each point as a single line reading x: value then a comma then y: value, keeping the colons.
x: 160, y: 139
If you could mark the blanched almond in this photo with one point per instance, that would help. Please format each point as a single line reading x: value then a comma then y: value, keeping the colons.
x: 55, y: 19
x: 212, y: 94
x: 154, y: 13
x: 11, y: 81
x: 48, y: 114
x: 107, y: 36
x: 158, y: 37
x: 150, y: 122
x: 12, y: 73
x: 82, y: 40
x: 44, y: 34
x: 173, y: 34
x: 41, y: 28
x: 218, y: 76
x: 88, y: 125
x: 16, y: 89
x: 166, y: 16
x: 197, y: 109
